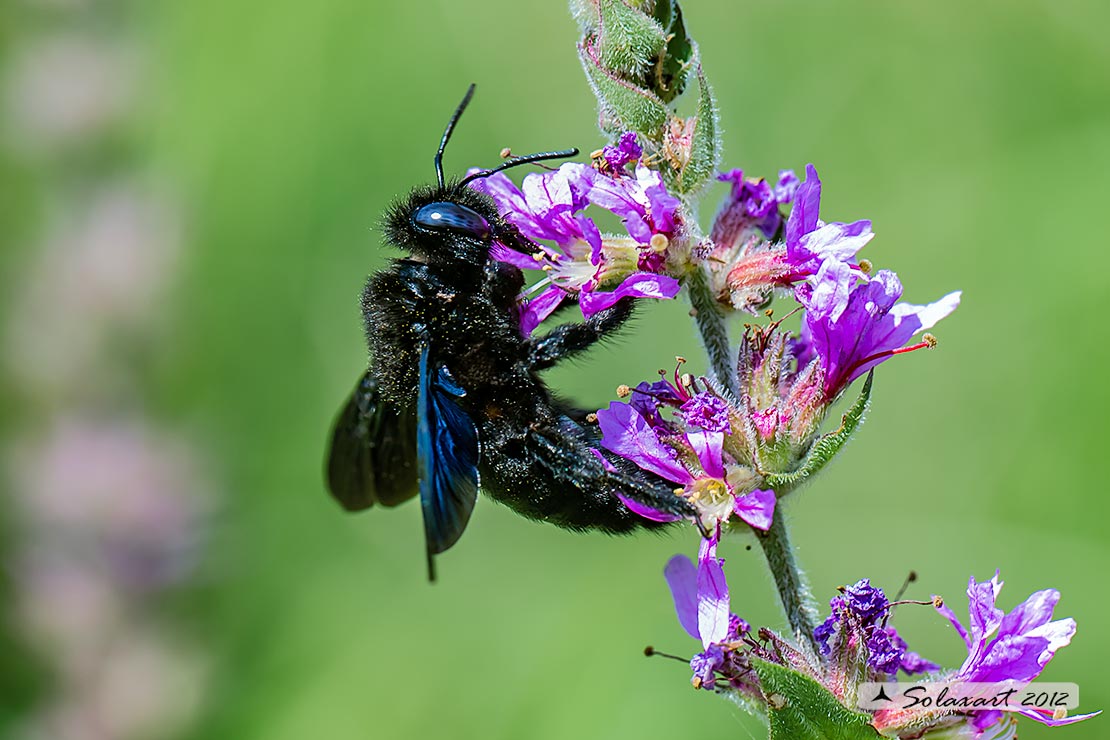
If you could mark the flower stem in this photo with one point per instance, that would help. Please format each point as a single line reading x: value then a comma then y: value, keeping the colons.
x: 713, y: 329
x: 794, y: 592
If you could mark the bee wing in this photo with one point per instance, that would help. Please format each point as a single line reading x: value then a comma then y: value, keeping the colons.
x: 372, y: 459
x: 447, y: 453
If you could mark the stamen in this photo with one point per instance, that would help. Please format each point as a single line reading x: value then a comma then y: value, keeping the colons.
x: 910, y: 578
x: 928, y: 341
x: 543, y: 283
x: 650, y: 652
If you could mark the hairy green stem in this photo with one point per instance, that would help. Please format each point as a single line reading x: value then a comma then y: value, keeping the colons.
x: 794, y: 592
x: 713, y: 329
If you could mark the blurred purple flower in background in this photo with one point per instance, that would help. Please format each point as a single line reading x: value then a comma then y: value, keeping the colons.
x: 109, y: 508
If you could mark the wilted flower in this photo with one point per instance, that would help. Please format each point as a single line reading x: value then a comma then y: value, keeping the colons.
x: 858, y: 619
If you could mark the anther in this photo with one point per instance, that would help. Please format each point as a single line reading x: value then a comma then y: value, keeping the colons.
x: 865, y: 266
x: 650, y: 652
x: 929, y: 339
x: 591, y: 418
x: 680, y: 359
x: 539, y: 256
x: 506, y: 153
x: 597, y: 154
x: 910, y: 578
x: 659, y: 242
x: 938, y: 602
x: 623, y: 391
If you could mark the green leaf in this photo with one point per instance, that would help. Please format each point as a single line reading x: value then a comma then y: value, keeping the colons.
x: 629, y: 41
x: 826, y: 447
x: 675, y: 64
x: 799, y: 708
x: 623, y: 106
x: 704, y: 149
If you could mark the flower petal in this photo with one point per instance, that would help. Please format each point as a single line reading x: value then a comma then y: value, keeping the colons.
x: 629, y: 435
x: 539, y: 308
x: 648, y: 512
x: 757, y: 508
x: 708, y: 447
x: 951, y: 617
x: 713, y: 610
x: 639, y: 285
x: 682, y: 577
x: 807, y: 204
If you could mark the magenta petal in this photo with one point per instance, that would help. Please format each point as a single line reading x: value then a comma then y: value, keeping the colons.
x: 757, y: 508
x: 712, y: 595
x: 629, y: 435
x: 682, y: 577
x: 539, y: 308
x: 501, y: 253
x: 985, y: 616
x: 807, y: 204
x: 951, y: 617
x: 639, y: 285
x: 648, y: 512
x: 1045, y: 718
x: 708, y: 447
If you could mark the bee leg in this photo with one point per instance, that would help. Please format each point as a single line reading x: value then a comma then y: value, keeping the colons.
x: 560, y: 452
x: 566, y: 340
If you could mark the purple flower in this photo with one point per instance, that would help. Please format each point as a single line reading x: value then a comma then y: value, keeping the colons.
x: 866, y: 601
x: 700, y: 594
x: 694, y: 459
x: 707, y: 411
x: 859, y: 615
x: 852, y: 327
x: 626, y: 150
x: 750, y: 205
x: 809, y: 243
x: 599, y: 269
x: 1015, y: 646
x: 701, y: 601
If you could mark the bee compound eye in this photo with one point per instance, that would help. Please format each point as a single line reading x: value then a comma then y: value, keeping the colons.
x: 452, y: 217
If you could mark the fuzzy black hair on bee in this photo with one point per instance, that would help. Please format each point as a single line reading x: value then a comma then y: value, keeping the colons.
x: 453, y: 401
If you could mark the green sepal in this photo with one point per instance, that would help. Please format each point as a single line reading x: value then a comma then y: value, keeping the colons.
x: 628, y: 41
x: 799, y: 708
x: 825, y: 448
x: 704, y: 146
x: 623, y: 106
x: 673, y: 67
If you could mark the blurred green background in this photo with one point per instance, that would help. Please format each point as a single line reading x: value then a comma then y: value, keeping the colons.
x: 975, y: 135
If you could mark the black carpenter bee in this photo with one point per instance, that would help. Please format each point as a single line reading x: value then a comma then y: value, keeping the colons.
x: 453, y: 399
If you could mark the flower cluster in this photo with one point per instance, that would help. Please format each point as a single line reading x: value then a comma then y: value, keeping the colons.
x: 696, y: 448
x: 577, y: 257
x: 859, y: 645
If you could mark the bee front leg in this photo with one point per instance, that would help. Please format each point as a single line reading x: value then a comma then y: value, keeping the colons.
x: 566, y: 340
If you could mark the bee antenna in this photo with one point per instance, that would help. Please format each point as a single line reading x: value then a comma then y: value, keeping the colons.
x: 450, y: 128
x: 517, y: 161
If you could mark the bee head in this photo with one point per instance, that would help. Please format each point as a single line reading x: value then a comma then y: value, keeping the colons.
x: 451, y: 222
